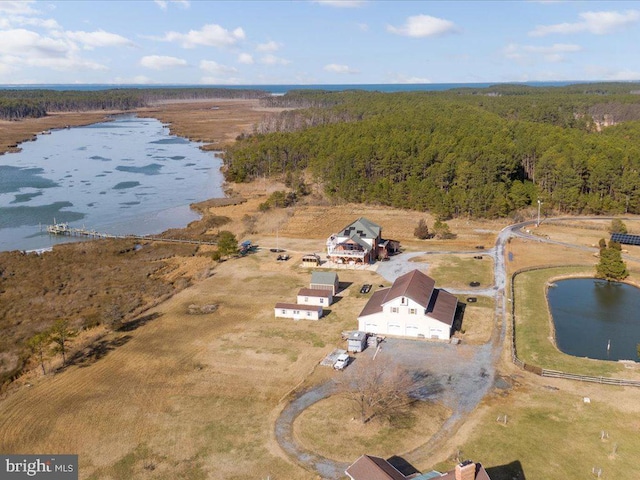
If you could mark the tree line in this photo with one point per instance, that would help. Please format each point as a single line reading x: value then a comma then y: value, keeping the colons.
x: 483, y: 153
x: 16, y: 104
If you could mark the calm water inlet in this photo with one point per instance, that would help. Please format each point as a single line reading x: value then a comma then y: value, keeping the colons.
x: 127, y: 176
x: 596, y: 319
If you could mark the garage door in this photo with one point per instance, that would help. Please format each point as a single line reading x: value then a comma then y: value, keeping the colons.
x: 435, y: 333
x: 412, y: 331
x: 371, y: 327
x: 395, y: 329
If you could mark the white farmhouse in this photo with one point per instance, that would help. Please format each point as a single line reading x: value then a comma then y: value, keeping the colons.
x: 411, y: 307
x: 315, y: 296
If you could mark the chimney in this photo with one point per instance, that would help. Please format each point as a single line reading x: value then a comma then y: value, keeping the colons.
x: 465, y: 470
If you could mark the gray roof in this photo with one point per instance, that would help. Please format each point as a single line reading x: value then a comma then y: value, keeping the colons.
x: 324, y: 278
x: 363, y: 227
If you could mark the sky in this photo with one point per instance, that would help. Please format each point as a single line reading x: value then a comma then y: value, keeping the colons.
x: 206, y: 42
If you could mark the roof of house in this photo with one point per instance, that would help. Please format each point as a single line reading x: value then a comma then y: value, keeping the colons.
x: 368, y: 467
x: 324, y: 278
x: 363, y: 227
x: 314, y: 292
x: 442, y: 306
x: 438, y: 304
x: 415, y: 285
x: 297, y: 306
x: 374, y: 305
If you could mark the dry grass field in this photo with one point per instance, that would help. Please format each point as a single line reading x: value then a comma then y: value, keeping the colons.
x: 330, y: 428
x: 196, y: 396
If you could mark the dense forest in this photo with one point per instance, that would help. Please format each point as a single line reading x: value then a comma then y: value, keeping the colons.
x: 16, y: 104
x: 464, y: 152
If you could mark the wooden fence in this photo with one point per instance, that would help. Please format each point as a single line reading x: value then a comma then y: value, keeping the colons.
x: 553, y: 373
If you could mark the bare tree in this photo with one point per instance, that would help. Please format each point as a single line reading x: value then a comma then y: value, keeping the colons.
x: 113, y: 316
x: 376, y: 392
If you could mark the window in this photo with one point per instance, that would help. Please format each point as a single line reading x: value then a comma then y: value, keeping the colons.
x: 296, y: 312
x: 394, y: 309
x: 306, y: 299
x: 308, y: 313
x: 322, y: 300
x: 284, y: 311
x: 403, y: 301
x: 413, y: 311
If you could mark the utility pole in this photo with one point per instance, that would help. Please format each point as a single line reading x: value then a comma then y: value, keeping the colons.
x: 538, y: 222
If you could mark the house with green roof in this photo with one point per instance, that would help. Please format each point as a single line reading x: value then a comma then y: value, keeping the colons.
x: 357, y: 243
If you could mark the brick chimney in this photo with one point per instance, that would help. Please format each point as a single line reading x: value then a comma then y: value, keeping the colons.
x: 466, y: 470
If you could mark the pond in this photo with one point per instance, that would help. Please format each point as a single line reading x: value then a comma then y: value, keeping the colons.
x: 595, y: 318
x: 127, y: 176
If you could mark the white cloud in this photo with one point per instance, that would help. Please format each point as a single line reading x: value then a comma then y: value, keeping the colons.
x: 423, y: 26
x: 216, y: 68
x: 553, y: 53
x: 137, y: 80
x: 19, y: 47
x: 100, y: 38
x: 25, y: 42
x: 273, y: 60
x: 363, y: 27
x: 164, y: 4
x: 17, y: 7
x: 209, y: 36
x: 342, y: 3
x: 268, y: 47
x: 160, y: 62
x: 597, y: 72
x: 20, y: 21
x: 598, y: 23
x: 245, y: 58
x: 335, y: 68
x: 220, y: 81
x: 401, y: 78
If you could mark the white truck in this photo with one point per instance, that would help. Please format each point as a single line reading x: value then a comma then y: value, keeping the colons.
x: 342, y: 361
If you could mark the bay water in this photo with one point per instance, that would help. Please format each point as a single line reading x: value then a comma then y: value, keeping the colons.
x: 126, y: 176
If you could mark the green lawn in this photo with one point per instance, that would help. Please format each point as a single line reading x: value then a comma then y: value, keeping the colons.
x: 457, y: 271
x: 554, y: 435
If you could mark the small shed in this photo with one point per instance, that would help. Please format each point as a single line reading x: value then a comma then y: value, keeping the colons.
x: 315, y: 296
x: 311, y: 260
x: 325, y: 281
x: 298, y: 312
x: 357, y: 341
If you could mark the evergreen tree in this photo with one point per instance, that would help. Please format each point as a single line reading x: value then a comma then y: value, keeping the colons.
x: 611, y: 266
x: 617, y: 226
x: 441, y: 230
x: 227, y: 243
x: 37, y: 345
x: 60, y: 335
x: 421, y: 231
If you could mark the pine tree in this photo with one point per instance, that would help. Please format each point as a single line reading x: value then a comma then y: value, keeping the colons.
x: 611, y: 266
x: 421, y: 231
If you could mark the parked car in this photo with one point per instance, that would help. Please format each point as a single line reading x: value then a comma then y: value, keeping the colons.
x: 342, y: 361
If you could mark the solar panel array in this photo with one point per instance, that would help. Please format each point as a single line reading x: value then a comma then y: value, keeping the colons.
x: 625, y: 238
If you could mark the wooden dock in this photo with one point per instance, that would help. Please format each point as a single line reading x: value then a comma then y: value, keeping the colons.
x: 65, y: 229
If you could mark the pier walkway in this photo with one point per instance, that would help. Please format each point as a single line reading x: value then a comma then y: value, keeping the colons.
x: 65, y: 229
